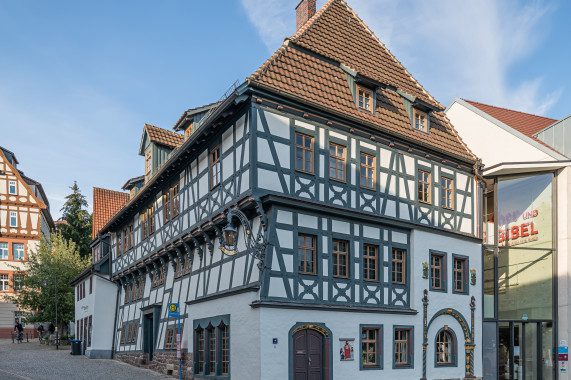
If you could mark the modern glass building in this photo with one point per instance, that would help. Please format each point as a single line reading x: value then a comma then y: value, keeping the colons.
x: 525, y: 234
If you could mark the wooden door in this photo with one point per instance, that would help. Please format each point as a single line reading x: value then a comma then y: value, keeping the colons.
x: 307, y: 355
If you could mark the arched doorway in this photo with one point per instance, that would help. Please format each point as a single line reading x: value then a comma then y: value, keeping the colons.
x: 310, y: 352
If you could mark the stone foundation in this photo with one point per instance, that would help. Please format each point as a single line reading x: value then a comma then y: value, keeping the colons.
x: 163, y: 362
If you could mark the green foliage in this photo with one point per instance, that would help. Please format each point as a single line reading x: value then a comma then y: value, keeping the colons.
x: 78, y: 228
x: 55, y: 259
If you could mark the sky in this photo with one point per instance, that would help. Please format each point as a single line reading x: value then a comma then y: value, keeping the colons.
x: 78, y: 79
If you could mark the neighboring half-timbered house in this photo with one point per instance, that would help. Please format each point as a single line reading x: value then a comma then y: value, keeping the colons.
x: 24, y: 217
x: 370, y: 202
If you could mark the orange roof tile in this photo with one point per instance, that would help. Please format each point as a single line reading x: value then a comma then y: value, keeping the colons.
x: 308, y: 66
x: 164, y: 136
x: 106, y: 203
x: 525, y: 123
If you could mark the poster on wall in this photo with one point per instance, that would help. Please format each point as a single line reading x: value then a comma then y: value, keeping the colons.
x: 346, y: 349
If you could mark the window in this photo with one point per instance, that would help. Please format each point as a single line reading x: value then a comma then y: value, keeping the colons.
x: 460, y: 266
x: 90, y: 285
x: 364, y: 98
x: 403, y: 347
x: 211, y: 350
x: 3, y: 251
x: 141, y: 287
x: 130, y: 235
x: 447, y: 193
x: 200, y: 342
x: 121, y: 340
x: 215, y: 167
x: 148, y: 164
x: 167, y: 206
x: 17, y: 282
x: 306, y: 253
x: 370, y: 260
x: 12, y: 187
x: 127, y: 293
x: 19, y: 252
x: 13, y: 219
x: 340, y: 258
x: 119, y: 244
x: 162, y: 272
x: 212, y: 346
x: 125, y: 239
x: 224, y: 349
x: 178, y: 268
x: 371, y: 339
x: 445, y: 348
x: 187, y: 263
x: 367, y: 171
x: 169, y: 340
x: 156, y: 275
x: 437, y: 271
x: 303, y: 153
x: 151, y: 219
x: 144, y: 227
x: 89, y: 329
x: 174, y: 200
x: 423, y: 186
x: 4, y: 284
x: 336, y: 162
x: 134, y: 333
x: 420, y: 121
x: 399, y: 266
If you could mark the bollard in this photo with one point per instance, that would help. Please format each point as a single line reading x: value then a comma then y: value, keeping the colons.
x: 27, y: 337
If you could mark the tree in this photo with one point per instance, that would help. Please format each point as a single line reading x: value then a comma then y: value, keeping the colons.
x: 54, y: 258
x: 78, y: 227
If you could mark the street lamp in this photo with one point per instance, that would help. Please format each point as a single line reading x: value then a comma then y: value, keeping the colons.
x: 229, y: 238
x: 57, y: 332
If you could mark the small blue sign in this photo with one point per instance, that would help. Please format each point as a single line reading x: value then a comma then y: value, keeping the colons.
x: 562, y: 350
x: 173, y: 310
x: 275, y: 340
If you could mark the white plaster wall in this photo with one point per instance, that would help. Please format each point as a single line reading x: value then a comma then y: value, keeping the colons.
x: 103, y: 313
x: 488, y: 141
x: 244, y: 331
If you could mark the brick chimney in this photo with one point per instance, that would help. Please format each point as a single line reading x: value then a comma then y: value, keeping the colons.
x: 304, y: 11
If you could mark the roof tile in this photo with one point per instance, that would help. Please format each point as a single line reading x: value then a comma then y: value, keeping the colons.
x: 106, y: 203
x: 164, y: 136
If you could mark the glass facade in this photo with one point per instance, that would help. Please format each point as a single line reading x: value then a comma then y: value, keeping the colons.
x: 518, y: 278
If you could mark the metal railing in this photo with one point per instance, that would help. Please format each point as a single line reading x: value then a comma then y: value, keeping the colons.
x: 224, y: 96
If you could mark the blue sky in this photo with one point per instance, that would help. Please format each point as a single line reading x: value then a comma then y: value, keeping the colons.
x: 78, y: 79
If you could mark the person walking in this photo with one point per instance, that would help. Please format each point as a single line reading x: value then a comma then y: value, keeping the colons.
x: 20, y: 329
x: 51, y: 328
x: 41, y: 331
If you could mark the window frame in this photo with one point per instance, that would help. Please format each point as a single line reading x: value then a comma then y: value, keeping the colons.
x: 6, y: 250
x: 337, y: 158
x: 466, y: 282
x: 367, y: 167
x: 215, y: 164
x: 304, y: 149
x: 14, y: 250
x: 339, y: 254
x: 306, y: 248
x: 205, y: 331
x: 409, y: 348
x: 416, y: 112
x: 5, y: 282
x: 148, y: 163
x: 379, y: 347
x: 453, y: 351
x: 403, y: 261
x: 366, y: 91
x: 443, y: 271
x: 170, y: 343
x: 428, y: 182
x: 444, y: 192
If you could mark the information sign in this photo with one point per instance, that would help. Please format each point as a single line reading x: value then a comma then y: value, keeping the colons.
x: 173, y: 310
x: 178, y: 346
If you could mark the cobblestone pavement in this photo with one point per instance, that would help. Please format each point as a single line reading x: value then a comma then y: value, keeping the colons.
x: 32, y: 361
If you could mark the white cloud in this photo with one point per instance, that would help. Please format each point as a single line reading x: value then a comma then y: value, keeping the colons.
x: 467, y: 49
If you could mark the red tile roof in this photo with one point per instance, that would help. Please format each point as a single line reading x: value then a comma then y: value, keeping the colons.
x: 106, y: 203
x: 164, y: 136
x: 308, y: 66
x: 525, y: 123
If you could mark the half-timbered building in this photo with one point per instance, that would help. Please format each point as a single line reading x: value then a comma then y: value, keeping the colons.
x: 24, y: 217
x: 369, y: 201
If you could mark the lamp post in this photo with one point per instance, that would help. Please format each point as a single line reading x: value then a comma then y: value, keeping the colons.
x: 255, y: 246
x: 55, y: 287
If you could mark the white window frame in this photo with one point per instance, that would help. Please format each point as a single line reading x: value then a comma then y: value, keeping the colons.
x: 4, y: 250
x: 16, y: 251
x: 13, y: 219
x: 4, y: 282
x: 10, y: 184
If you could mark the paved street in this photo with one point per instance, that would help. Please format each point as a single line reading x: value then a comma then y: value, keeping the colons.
x: 32, y: 361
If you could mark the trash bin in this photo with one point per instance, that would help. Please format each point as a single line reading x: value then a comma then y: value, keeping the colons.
x: 75, y: 346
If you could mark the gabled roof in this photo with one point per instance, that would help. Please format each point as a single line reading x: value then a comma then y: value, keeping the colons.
x: 106, y: 203
x: 313, y: 65
x: 191, y: 112
x: 132, y: 181
x: 164, y: 137
x: 525, y: 123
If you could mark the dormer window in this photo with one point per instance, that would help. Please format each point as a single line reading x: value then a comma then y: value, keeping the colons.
x: 419, y: 121
x: 364, y: 98
x: 188, y: 131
